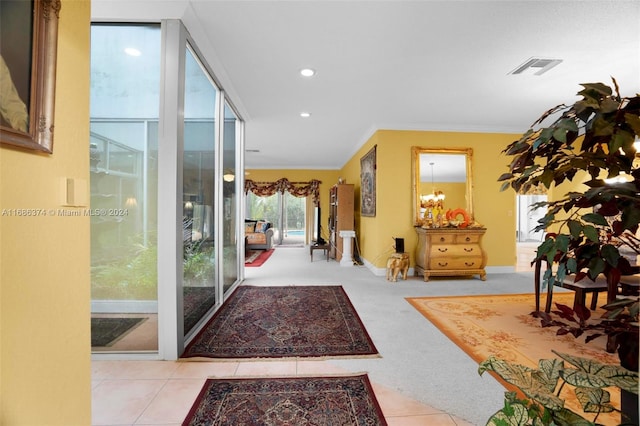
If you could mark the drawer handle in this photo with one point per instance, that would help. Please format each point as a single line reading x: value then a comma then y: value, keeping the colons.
x: 443, y: 250
x: 442, y: 239
x: 469, y: 263
x: 467, y: 239
x: 468, y: 250
x: 443, y: 264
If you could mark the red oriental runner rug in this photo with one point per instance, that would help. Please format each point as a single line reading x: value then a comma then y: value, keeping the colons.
x: 258, y: 258
x: 276, y: 322
x: 345, y: 400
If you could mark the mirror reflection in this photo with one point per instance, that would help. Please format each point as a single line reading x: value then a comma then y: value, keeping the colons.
x: 442, y: 183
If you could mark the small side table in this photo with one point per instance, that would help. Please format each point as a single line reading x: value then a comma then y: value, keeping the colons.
x: 324, y: 247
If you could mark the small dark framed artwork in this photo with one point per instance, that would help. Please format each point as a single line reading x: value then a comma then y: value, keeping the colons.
x: 28, y: 53
x: 368, y: 168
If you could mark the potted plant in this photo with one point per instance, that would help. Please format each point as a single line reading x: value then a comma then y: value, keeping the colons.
x: 619, y: 323
x: 594, y: 137
x: 544, y: 388
x: 593, y: 140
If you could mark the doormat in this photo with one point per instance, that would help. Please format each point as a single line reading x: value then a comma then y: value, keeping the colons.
x: 276, y: 322
x: 501, y: 325
x: 345, y: 400
x: 258, y: 258
x: 107, y: 331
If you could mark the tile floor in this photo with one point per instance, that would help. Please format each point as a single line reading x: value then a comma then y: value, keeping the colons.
x: 162, y: 392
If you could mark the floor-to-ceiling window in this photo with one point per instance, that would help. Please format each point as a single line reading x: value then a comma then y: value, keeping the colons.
x: 198, y: 195
x: 161, y: 187
x: 125, y: 75
x: 232, y: 134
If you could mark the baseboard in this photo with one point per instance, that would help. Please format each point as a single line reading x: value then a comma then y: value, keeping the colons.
x: 124, y: 307
x: 381, y: 272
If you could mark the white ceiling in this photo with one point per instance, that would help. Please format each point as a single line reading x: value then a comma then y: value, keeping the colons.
x: 426, y: 65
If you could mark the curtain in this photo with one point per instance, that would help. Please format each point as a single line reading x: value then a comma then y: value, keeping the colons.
x: 297, y: 189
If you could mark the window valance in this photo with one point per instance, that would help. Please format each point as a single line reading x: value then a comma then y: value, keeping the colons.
x: 298, y: 189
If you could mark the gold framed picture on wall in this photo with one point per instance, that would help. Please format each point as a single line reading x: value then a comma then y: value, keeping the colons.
x: 28, y: 53
x: 368, y: 183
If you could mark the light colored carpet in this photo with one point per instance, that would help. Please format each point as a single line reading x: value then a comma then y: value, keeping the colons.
x: 417, y: 360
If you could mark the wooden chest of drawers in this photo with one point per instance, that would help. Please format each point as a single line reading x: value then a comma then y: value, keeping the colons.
x: 450, y: 252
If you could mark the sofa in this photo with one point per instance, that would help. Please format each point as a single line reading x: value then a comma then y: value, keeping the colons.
x: 258, y: 234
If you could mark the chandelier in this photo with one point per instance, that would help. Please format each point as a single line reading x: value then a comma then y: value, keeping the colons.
x: 435, y: 196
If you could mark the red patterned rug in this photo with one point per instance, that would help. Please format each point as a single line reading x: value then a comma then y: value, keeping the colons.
x: 275, y: 322
x: 258, y: 258
x: 345, y: 400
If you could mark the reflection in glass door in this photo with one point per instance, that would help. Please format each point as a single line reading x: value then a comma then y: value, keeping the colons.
x: 199, y: 272
x: 232, y: 132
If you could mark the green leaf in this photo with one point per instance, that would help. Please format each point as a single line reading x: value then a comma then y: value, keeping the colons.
x: 565, y: 417
x: 562, y: 242
x: 591, y: 233
x: 560, y: 135
x: 598, y: 374
x: 609, y: 105
x: 595, y: 218
x: 575, y: 228
x: 599, y: 88
x: 548, y: 372
x: 582, y: 379
x: 519, y: 416
x: 594, y: 400
x: 610, y: 254
x: 633, y: 120
x: 519, y: 375
x: 630, y: 216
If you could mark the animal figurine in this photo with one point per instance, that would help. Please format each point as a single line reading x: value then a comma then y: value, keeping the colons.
x: 397, y: 263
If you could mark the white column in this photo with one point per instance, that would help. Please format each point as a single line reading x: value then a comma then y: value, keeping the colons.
x: 346, y: 247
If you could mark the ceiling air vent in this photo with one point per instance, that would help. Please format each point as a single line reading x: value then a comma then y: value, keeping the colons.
x: 539, y: 65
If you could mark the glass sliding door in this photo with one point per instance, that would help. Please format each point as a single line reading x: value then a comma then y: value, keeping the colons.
x: 125, y: 75
x: 198, y: 193
x: 232, y: 132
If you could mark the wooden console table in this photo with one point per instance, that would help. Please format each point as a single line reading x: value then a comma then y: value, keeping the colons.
x: 450, y: 252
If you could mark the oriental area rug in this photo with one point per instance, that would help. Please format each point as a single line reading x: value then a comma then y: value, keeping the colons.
x: 502, y: 325
x: 276, y: 322
x: 292, y: 401
x: 258, y: 257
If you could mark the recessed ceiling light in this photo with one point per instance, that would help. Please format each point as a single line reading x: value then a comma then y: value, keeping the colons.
x: 132, y: 51
x: 305, y: 114
x: 308, y: 72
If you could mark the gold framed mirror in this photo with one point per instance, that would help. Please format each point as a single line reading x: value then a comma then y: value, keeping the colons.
x: 444, y: 174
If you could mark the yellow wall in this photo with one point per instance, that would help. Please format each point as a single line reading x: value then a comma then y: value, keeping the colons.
x: 45, y: 347
x: 394, y: 211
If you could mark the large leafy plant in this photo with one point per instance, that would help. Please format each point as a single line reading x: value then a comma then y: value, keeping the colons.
x: 593, y: 138
x: 543, y: 388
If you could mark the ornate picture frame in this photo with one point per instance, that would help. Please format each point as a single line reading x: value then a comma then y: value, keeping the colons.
x: 368, y: 183
x: 28, y: 53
